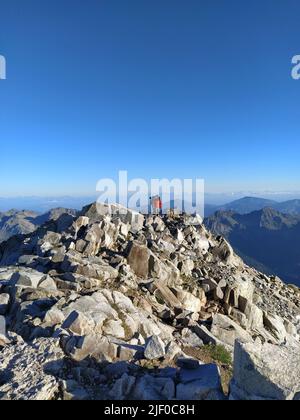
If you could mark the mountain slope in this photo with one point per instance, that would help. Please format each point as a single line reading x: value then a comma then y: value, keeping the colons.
x: 266, y: 237
x: 288, y: 207
x: 250, y: 204
x: 15, y: 223
x: 109, y: 305
x: 24, y: 222
x: 247, y: 205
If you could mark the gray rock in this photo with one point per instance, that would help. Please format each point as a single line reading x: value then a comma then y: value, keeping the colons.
x: 275, y: 325
x: 128, y: 352
x: 4, y: 302
x: 72, y: 391
x: 254, y: 315
x: 62, y: 283
x: 3, y: 337
x: 79, y: 324
x: 27, y: 260
x: 209, y: 284
x: 206, y: 336
x: 188, y: 363
x: 154, y: 348
x: 218, y: 294
x: 156, y: 389
x: 225, y: 253
x: 27, y: 278
x: 138, y: 259
x: 165, y: 294
x: 122, y: 388
x: 95, y: 346
x: 191, y: 339
x: 47, y: 283
x: 172, y: 351
x: 186, y: 267
x: 114, y: 328
x: 188, y: 301
x: 203, y: 383
x: 82, y: 221
x: 291, y: 329
x: 265, y: 371
x: 228, y: 331
x: 54, y: 317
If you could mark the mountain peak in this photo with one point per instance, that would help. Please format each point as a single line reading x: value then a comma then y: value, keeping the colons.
x: 139, y: 290
x: 247, y: 205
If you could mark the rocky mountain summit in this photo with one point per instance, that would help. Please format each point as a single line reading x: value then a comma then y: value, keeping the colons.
x: 101, y: 306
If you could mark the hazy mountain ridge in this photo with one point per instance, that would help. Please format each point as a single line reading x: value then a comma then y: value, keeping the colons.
x: 269, y: 237
x: 250, y: 204
x: 14, y: 222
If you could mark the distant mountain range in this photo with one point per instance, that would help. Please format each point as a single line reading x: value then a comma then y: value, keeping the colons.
x: 16, y: 222
x: 249, y: 204
x: 266, y: 239
x: 44, y: 204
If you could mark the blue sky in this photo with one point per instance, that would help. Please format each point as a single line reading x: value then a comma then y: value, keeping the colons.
x: 162, y: 88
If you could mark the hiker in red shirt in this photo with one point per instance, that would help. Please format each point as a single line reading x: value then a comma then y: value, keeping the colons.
x: 157, y: 205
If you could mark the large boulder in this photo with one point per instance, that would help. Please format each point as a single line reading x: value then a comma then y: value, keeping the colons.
x: 275, y: 325
x: 203, y: 383
x: 122, y: 388
x: 4, y: 302
x: 225, y: 253
x: 238, y: 291
x: 91, y: 346
x: 265, y: 372
x: 154, y: 388
x: 154, y: 348
x: 190, y: 302
x: 78, y: 324
x: 138, y: 259
x: 98, y: 211
x: 82, y: 221
x: 164, y: 270
x: 253, y: 314
x: 164, y: 294
x: 228, y: 331
x: 3, y: 338
x: 26, y: 278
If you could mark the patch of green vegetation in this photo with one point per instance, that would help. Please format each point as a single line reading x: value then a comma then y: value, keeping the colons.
x: 220, y: 354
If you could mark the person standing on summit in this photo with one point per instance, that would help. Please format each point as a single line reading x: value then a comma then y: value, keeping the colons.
x: 157, y: 206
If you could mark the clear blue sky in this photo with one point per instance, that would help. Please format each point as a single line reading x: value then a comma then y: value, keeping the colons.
x: 162, y: 88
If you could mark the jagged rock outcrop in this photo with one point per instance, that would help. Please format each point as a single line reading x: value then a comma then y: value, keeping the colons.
x: 15, y: 222
x: 123, y: 290
x: 266, y: 372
